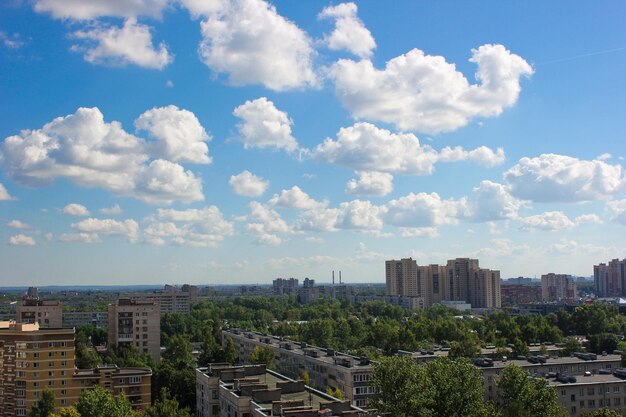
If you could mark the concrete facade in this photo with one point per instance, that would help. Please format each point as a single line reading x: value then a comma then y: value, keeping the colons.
x: 136, y: 322
x: 47, y: 313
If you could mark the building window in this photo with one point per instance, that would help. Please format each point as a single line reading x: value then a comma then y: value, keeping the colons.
x: 134, y: 380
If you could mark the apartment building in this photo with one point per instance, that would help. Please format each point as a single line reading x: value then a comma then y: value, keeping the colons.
x: 610, y: 280
x: 34, y: 358
x: 540, y: 366
x: 47, y: 313
x: 326, y: 368
x: 254, y: 391
x: 556, y: 287
x: 460, y: 280
x: 590, y: 393
x: 98, y: 319
x: 134, y: 383
x: 171, y: 299
x: 284, y: 286
x: 136, y: 322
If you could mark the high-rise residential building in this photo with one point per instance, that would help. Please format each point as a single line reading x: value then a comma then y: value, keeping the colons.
x: 47, y: 313
x: 460, y: 280
x: 34, y: 358
x: 285, y: 286
x: 136, y: 322
x: 555, y: 287
x: 610, y: 280
x: 171, y: 299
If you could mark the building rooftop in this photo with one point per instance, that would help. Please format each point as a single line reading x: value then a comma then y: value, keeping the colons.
x: 566, y: 360
x: 329, y: 356
x: 274, y: 394
x: 586, y: 380
x: 114, y: 368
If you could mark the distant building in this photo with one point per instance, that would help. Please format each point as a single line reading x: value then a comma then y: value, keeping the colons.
x: 460, y: 280
x: 311, y: 292
x: 171, y: 299
x: 513, y: 295
x: 284, y: 286
x: 99, y: 319
x: 610, y: 280
x: 47, y: 313
x: 138, y: 323
x: 254, y: 391
x: 555, y: 287
x: 35, y: 358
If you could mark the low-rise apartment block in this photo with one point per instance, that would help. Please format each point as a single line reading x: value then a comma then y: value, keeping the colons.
x: 253, y: 391
x: 589, y: 393
x: 541, y: 366
x: 171, y: 299
x: 326, y: 368
x: 98, y: 319
x: 138, y: 323
x: 133, y: 383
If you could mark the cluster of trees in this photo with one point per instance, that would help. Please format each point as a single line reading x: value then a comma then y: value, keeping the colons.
x: 99, y: 402
x: 372, y: 327
x: 454, y: 388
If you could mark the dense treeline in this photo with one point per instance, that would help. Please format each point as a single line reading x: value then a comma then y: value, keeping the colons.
x: 376, y: 326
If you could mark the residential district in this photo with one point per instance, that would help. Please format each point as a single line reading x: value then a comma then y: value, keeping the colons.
x: 450, y: 339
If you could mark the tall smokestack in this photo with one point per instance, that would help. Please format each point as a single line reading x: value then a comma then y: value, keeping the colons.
x: 339, y: 277
x: 333, y: 277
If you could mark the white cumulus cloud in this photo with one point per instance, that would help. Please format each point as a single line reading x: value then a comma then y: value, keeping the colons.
x: 113, y: 210
x: 119, y: 46
x: 204, y: 227
x: 17, y: 224
x: 371, y: 183
x: 295, y: 198
x: 80, y: 238
x: 93, y: 9
x: 423, y: 210
x: 264, y: 126
x: 617, y: 210
x: 4, y: 194
x: 180, y: 136
x: 248, y: 184
x: 128, y: 228
x: 550, y: 220
x: 350, y: 33
x: 21, y: 240
x: 367, y: 147
x: 425, y: 93
x: 75, y: 209
x: 90, y: 152
x: 250, y: 42
x: 560, y: 178
x: 492, y: 201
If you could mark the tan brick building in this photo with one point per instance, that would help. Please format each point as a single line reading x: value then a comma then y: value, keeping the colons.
x: 34, y: 358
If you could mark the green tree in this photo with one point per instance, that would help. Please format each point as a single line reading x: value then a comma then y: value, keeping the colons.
x: 467, y: 347
x: 442, y: 387
x: 66, y: 412
x: 229, y: 354
x: 523, y: 396
x: 603, y: 342
x: 571, y: 345
x: 177, y: 372
x: 262, y: 354
x: 45, y: 406
x: 99, y: 402
x: 166, y: 406
x: 335, y: 392
x: 306, y: 377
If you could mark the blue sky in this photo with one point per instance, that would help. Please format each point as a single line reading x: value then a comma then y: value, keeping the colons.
x: 215, y: 141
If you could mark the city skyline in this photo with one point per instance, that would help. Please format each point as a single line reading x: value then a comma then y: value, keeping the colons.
x: 238, y: 141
